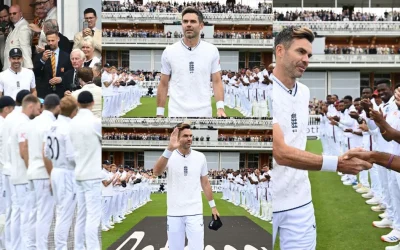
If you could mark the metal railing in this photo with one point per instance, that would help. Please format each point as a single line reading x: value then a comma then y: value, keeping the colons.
x: 157, y: 17
x: 332, y: 28
x: 344, y: 59
x: 208, y: 144
x: 133, y: 41
x: 231, y: 123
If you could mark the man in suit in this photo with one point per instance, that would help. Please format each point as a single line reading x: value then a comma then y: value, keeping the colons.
x: 51, y: 66
x: 64, y: 43
x: 4, y: 30
x: 70, y: 78
x: 19, y: 37
x: 90, y: 17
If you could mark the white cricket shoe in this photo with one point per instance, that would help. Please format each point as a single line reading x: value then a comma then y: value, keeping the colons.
x: 368, y: 195
x: 397, y: 247
x: 104, y: 229
x: 384, y: 223
x: 392, y: 237
x: 363, y: 190
x: 373, y: 201
x: 358, y: 186
x: 378, y: 208
x: 382, y: 215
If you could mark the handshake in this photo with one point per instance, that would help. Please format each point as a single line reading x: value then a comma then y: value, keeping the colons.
x: 354, y: 161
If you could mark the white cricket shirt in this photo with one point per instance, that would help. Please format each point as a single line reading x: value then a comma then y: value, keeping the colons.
x: 12, y: 82
x: 38, y: 128
x: 85, y: 133
x: 2, y: 120
x: 17, y: 135
x: 189, y: 85
x: 291, y: 187
x: 58, y: 146
x: 106, y: 176
x: 9, y: 122
x: 184, y: 186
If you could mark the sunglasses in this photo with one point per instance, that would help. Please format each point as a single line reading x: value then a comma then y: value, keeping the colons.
x: 13, y: 13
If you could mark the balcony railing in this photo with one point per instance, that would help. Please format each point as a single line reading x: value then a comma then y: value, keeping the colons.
x: 156, y: 17
x: 254, y: 124
x: 163, y: 42
x: 345, y: 28
x: 360, y: 60
x: 195, y: 144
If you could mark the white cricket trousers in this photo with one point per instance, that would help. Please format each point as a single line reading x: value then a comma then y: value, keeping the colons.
x: 89, y: 214
x: 42, y: 216
x: 296, y: 228
x: 106, y: 210
x: 64, y: 191
x: 193, y: 226
x: 6, y: 194
x: 20, y: 202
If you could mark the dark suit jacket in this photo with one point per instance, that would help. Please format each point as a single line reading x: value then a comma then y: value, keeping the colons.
x: 64, y: 44
x: 44, y: 73
x: 68, y: 80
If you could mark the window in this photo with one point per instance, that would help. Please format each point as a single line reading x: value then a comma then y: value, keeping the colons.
x: 129, y: 159
x: 242, y: 160
x: 252, y: 160
x: 125, y: 59
x: 254, y: 59
x: 112, y: 58
x: 140, y: 159
x: 242, y: 60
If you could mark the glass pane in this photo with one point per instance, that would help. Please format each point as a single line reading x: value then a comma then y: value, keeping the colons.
x: 242, y: 56
x: 112, y: 58
x: 125, y: 59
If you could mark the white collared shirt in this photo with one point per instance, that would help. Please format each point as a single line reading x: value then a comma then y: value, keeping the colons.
x: 85, y: 133
x: 41, y: 125
x: 17, y: 135
x: 58, y: 146
x: 12, y: 82
x: 9, y: 122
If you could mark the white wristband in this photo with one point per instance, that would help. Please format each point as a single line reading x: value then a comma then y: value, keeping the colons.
x: 160, y: 110
x: 167, y: 154
x: 329, y: 163
x: 220, y: 105
x: 211, y: 203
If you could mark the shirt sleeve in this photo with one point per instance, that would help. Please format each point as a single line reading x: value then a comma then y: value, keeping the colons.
x: 22, y: 134
x: 215, y: 64
x: 204, y: 169
x: 33, y: 82
x: 165, y: 65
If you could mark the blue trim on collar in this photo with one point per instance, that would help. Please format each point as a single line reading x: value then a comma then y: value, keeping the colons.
x: 284, y: 87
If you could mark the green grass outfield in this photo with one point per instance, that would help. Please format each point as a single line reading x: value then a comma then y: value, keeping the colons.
x: 158, y: 207
x: 149, y: 106
x: 344, y: 221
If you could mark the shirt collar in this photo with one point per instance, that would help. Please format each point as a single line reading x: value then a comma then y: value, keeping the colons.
x: 63, y: 118
x: 57, y: 51
x: 14, y: 71
x: 183, y: 154
x: 19, y: 21
x: 84, y: 112
x: 190, y: 48
x: 49, y: 114
x: 292, y: 92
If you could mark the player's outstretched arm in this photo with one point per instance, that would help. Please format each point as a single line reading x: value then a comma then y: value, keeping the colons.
x: 388, y: 133
x: 384, y: 159
x: 161, y: 163
x: 286, y: 155
x: 205, y: 185
x: 162, y: 92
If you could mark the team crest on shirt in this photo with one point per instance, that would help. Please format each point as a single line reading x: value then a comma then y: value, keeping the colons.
x: 294, y: 122
x: 191, y: 67
x: 185, y: 170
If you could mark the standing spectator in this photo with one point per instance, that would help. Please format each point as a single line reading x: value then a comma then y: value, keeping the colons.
x: 19, y: 37
x: 5, y: 29
x: 91, y: 17
x: 51, y: 66
x: 70, y: 78
x: 88, y: 49
x: 64, y: 43
x: 16, y: 78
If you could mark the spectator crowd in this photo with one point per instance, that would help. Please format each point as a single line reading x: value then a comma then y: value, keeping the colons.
x: 331, y: 15
x: 362, y: 50
x: 169, y: 7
